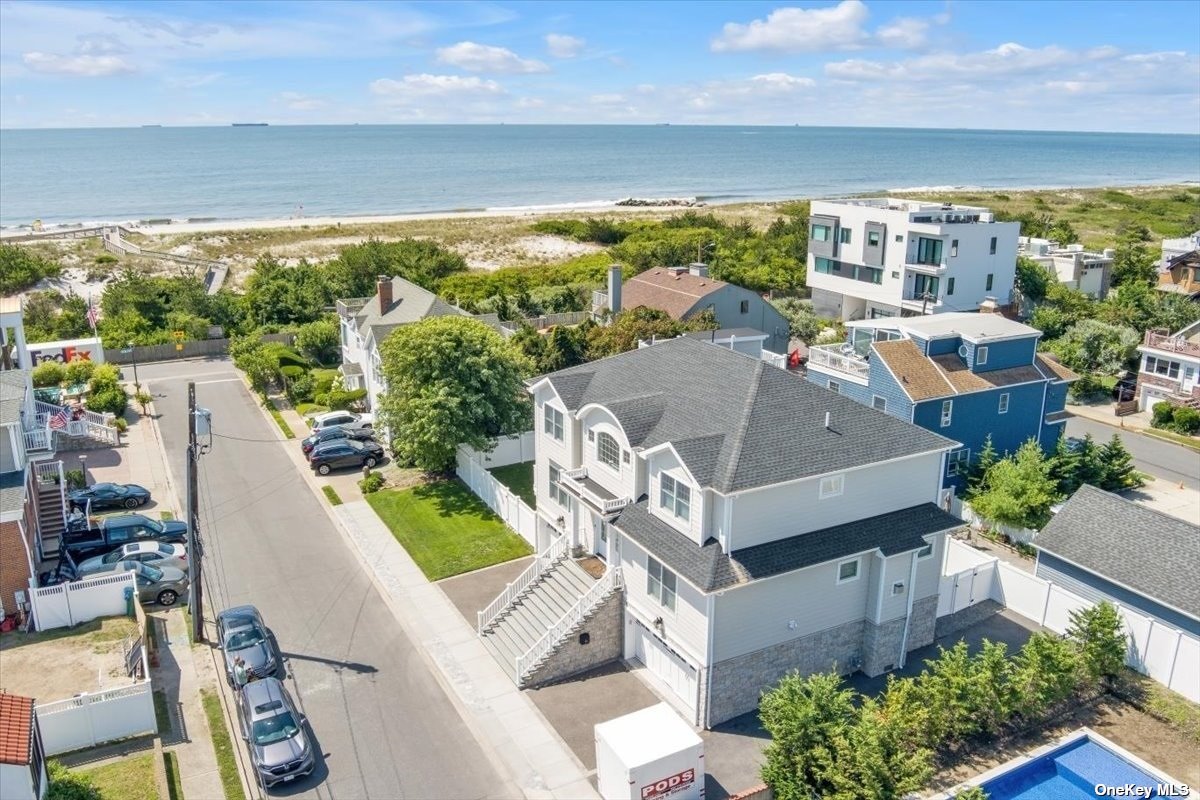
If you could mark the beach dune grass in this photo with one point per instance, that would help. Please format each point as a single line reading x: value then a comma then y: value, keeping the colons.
x: 446, y: 529
x: 519, y: 479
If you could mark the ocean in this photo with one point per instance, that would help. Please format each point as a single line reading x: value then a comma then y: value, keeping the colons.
x: 158, y: 173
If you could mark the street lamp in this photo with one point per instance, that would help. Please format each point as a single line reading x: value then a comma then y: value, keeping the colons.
x: 137, y: 386
x: 83, y: 468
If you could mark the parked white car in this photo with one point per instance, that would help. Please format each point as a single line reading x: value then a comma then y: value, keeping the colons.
x: 346, y: 419
x: 152, y: 553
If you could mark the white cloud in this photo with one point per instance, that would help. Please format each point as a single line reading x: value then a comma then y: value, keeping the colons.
x: 560, y: 45
x: 531, y: 102
x: 606, y: 99
x: 905, y: 33
x: 781, y: 81
x: 79, y: 66
x: 414, y: 87
x: 300, y: 102
x: 192, y: 81
x: 999, y: 63
x: 475, y: 57
x: 798, y: 30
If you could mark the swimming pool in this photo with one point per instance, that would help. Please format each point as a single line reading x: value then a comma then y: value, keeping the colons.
x: 1072, y: 771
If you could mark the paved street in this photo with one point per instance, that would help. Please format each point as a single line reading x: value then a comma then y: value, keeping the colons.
x: 1165, y: 460
x: 385, y: 725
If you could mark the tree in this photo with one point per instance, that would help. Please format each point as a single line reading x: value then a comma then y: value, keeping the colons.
x: 320, y: 339
x: 22, y: 267
x: 1132, y: 262
x: 1045, y: 672
x: 1117, y: 470
x: 1089, y: 467
x: 641, y: 324
x: 1032, y: 279
x: 254, y: 358
x: 1064, y: 466
x: 1098, y: 633
x: 1018, y: 490
x: 286, y: 295
x: 1091, y: 346
x: 451, y: 381
x: 872, y: 760
x: 804, y: 716
x: 1062, y: 232
x: 996, y: 696
x: 565, y: 347
x: 105, y: 392
x: 950, y: 693
x: 356, y: 270
x: 803, y: 323
x: 986, y: 459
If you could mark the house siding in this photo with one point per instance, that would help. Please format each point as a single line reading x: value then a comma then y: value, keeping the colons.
x: 1091, y: 586
x: 686, y: 628
x: 793, y: 508
x: 1004, y: 354
x: 694, y: 526
x: 548, y: 449
x: 761, y: 315
x: 621, y: 481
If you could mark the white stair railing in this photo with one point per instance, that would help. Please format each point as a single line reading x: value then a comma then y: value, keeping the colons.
x: 611, y: 581
x: 541, y: 563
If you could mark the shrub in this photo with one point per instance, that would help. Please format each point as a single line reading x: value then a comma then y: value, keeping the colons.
x: 299, y: 390
x: 307, y: 409
x: 67, y: 785
x: 105, y: 258
x: 372, y: 483
x: 339, y: 399
x: 972, y: 793
x: 108, y: 398
x: 48, y: 373
x: 74, y: 478
x: 79, y: 371
x: 144, y: 399
x: 1187, y: 421
x: 1163, y: 414
x: 120, y: 424
x: 1046, y: 672
x: 1088, y: 387
x: 1098, y: 633
x: 804, y: 715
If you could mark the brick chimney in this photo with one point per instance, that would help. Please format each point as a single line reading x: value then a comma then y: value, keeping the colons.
x: 989, y: 306
x: 384, y: 283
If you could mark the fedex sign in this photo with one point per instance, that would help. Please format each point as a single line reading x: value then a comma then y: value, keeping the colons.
x: 63, y: 356
x: 666, y: 786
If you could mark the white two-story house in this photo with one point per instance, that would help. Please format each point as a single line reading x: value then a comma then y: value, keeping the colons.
x: 366, y: 321
x: 758, y: 524
x: 884, y: 257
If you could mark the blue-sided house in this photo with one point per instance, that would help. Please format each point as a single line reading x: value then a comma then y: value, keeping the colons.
x: 1104, y: 547
x: 963, y: 375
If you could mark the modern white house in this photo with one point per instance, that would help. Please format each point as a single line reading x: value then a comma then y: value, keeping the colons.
x: 747, y: 523
x: 885, y: 257
x: 1170, y: 368
x: 1071, y: 265
x: 366, y: 321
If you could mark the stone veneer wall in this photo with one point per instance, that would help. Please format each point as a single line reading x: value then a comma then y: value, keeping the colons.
x: 924, y: 622
x: 738, y: 683
x: 881, y: 646
x: 606, y: 628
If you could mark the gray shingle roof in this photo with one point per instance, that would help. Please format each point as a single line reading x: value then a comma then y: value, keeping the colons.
x: 410, y: 303
x: 742, y: 422
x: 710, y: 569
x: 12, y: 395
x: 12, y: 491
x: 1152, y: 553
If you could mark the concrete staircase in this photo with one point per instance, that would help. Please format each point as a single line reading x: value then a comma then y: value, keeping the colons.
x: 519, y: 629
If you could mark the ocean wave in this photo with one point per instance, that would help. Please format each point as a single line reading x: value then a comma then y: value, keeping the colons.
x: 946, y: 188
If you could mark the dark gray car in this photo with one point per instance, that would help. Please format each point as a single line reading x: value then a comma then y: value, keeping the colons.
x: 154, y: 585
x: 242, y: 634
x: 273, y: 728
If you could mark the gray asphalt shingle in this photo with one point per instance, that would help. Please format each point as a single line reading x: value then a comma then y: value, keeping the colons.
x: 1152, y: 553
x: 12, y: 492
x: 748, y: 424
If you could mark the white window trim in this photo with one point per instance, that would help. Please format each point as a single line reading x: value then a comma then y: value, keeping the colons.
x: 882, y: 401
x: 615, y: 469
x: 834, y: 386
x: 960, y: 466
x: 857, y: 562
x: 947, y: 413
x: 981, y: 354
x: 927, y: 555
x: 836, y: 486
x: 659, y: 597
x: 676, y: 485
x: 553, y: 420
x: 1004, y: 403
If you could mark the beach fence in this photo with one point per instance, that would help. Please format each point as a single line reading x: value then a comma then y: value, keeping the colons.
x: 74, y: 602
x: 193, y: 349
x: 93, y: 718
x: 1166, y: 654
x: 472, y: 468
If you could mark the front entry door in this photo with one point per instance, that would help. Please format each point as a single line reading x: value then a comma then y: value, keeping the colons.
x: 600, y: 535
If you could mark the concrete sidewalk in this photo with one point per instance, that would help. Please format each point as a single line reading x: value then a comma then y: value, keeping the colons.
x: 1103, y: 413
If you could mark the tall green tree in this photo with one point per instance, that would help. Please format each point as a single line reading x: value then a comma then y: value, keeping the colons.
x: 1098, y: 633
x: 1091, y: 346
x: 951, y: 694
x: 1045, y: 672
x: 1064, y: 467
x: 450, y: 381
x: 1018, y: 490
x: 1119, y: 473
x: 872, y: 759
x: 980, y: 465
x: 1132, y: 262
x: 320, y: 340
x: 1089, y: 466
x: 803, y: 322
x: 1032, y: 279
x: 629, y: 327
x: 805, y: 716
x: 277, y: 294
x: 355, y: 272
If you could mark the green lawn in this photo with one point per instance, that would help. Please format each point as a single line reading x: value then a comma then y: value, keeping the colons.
x: 446, y: 529
x: 223, y: 745
x: 519, y: 478
x: 1170, y: 436
x: 131, y: 778
x: 331, y: 495
x: 174, y: 781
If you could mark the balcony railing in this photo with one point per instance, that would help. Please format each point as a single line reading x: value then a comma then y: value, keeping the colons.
x: 1174, y: 344
x: 839, y: 357
x: 38, y: 440
x: 576, y: 481
x: 928, y: 269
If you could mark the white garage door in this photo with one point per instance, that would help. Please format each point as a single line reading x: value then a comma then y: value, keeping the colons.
x: 669, y: 668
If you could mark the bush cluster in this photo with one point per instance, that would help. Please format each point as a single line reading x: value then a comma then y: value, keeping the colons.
x: 372, y: 483
x: 824, y: 744
x: 1180, y: 419
x: 105, y: 393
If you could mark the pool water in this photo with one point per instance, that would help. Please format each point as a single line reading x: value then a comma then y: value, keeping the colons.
x: 1069, y: 773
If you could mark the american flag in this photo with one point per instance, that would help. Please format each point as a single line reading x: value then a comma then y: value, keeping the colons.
x: 60, y: 419
x: 93, y: 314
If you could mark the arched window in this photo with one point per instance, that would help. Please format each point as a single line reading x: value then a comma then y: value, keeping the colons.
x: 607, y: 451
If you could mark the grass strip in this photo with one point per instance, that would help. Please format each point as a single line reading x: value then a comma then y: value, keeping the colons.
x: 223, y: 745
x: 331, y: 495
x: 162, y: 714
x: 174, y: 781
x: 279, y: 420
x: 167, y: 516
x: 1170, y: 436
x: 128, y: 778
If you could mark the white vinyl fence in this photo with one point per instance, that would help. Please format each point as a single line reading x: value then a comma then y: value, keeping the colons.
x: 498, y: 497
x: 69, y: 604
x: 964, y: 510
x: 1166, y: 654
x: 97, y: 717
x: 515, y: 449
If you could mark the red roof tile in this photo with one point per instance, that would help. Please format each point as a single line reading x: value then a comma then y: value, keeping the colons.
x: 674, y: 293
x: 16, y: 728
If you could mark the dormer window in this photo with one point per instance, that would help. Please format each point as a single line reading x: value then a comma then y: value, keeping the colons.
x: 607, y: 451
x: 674, y: 497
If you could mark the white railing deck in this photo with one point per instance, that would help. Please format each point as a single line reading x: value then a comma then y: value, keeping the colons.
x: 89, y: 423
x: 38, y: 439
x: 611, y: 580
x: 575, y: 478
x: 831, y: 356
x: 541, y: 562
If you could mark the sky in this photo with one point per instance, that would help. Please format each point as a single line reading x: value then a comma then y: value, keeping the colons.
x: 1094, y: 66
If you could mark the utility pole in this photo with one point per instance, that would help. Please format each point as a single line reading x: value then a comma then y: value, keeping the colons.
x: 136, y: 385
x: 195, y: 596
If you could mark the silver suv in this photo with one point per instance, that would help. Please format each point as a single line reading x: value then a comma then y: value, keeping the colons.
x: 274, y: 732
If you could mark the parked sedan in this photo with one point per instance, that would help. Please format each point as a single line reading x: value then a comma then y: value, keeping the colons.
x: 273, y: 728
x: 158, y: 554
x: 110, y: 495
x: 154, y: 585
x: 344, y: 453
x: 242, y: 634
x: 346, y: 419
x: 323, y: 435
